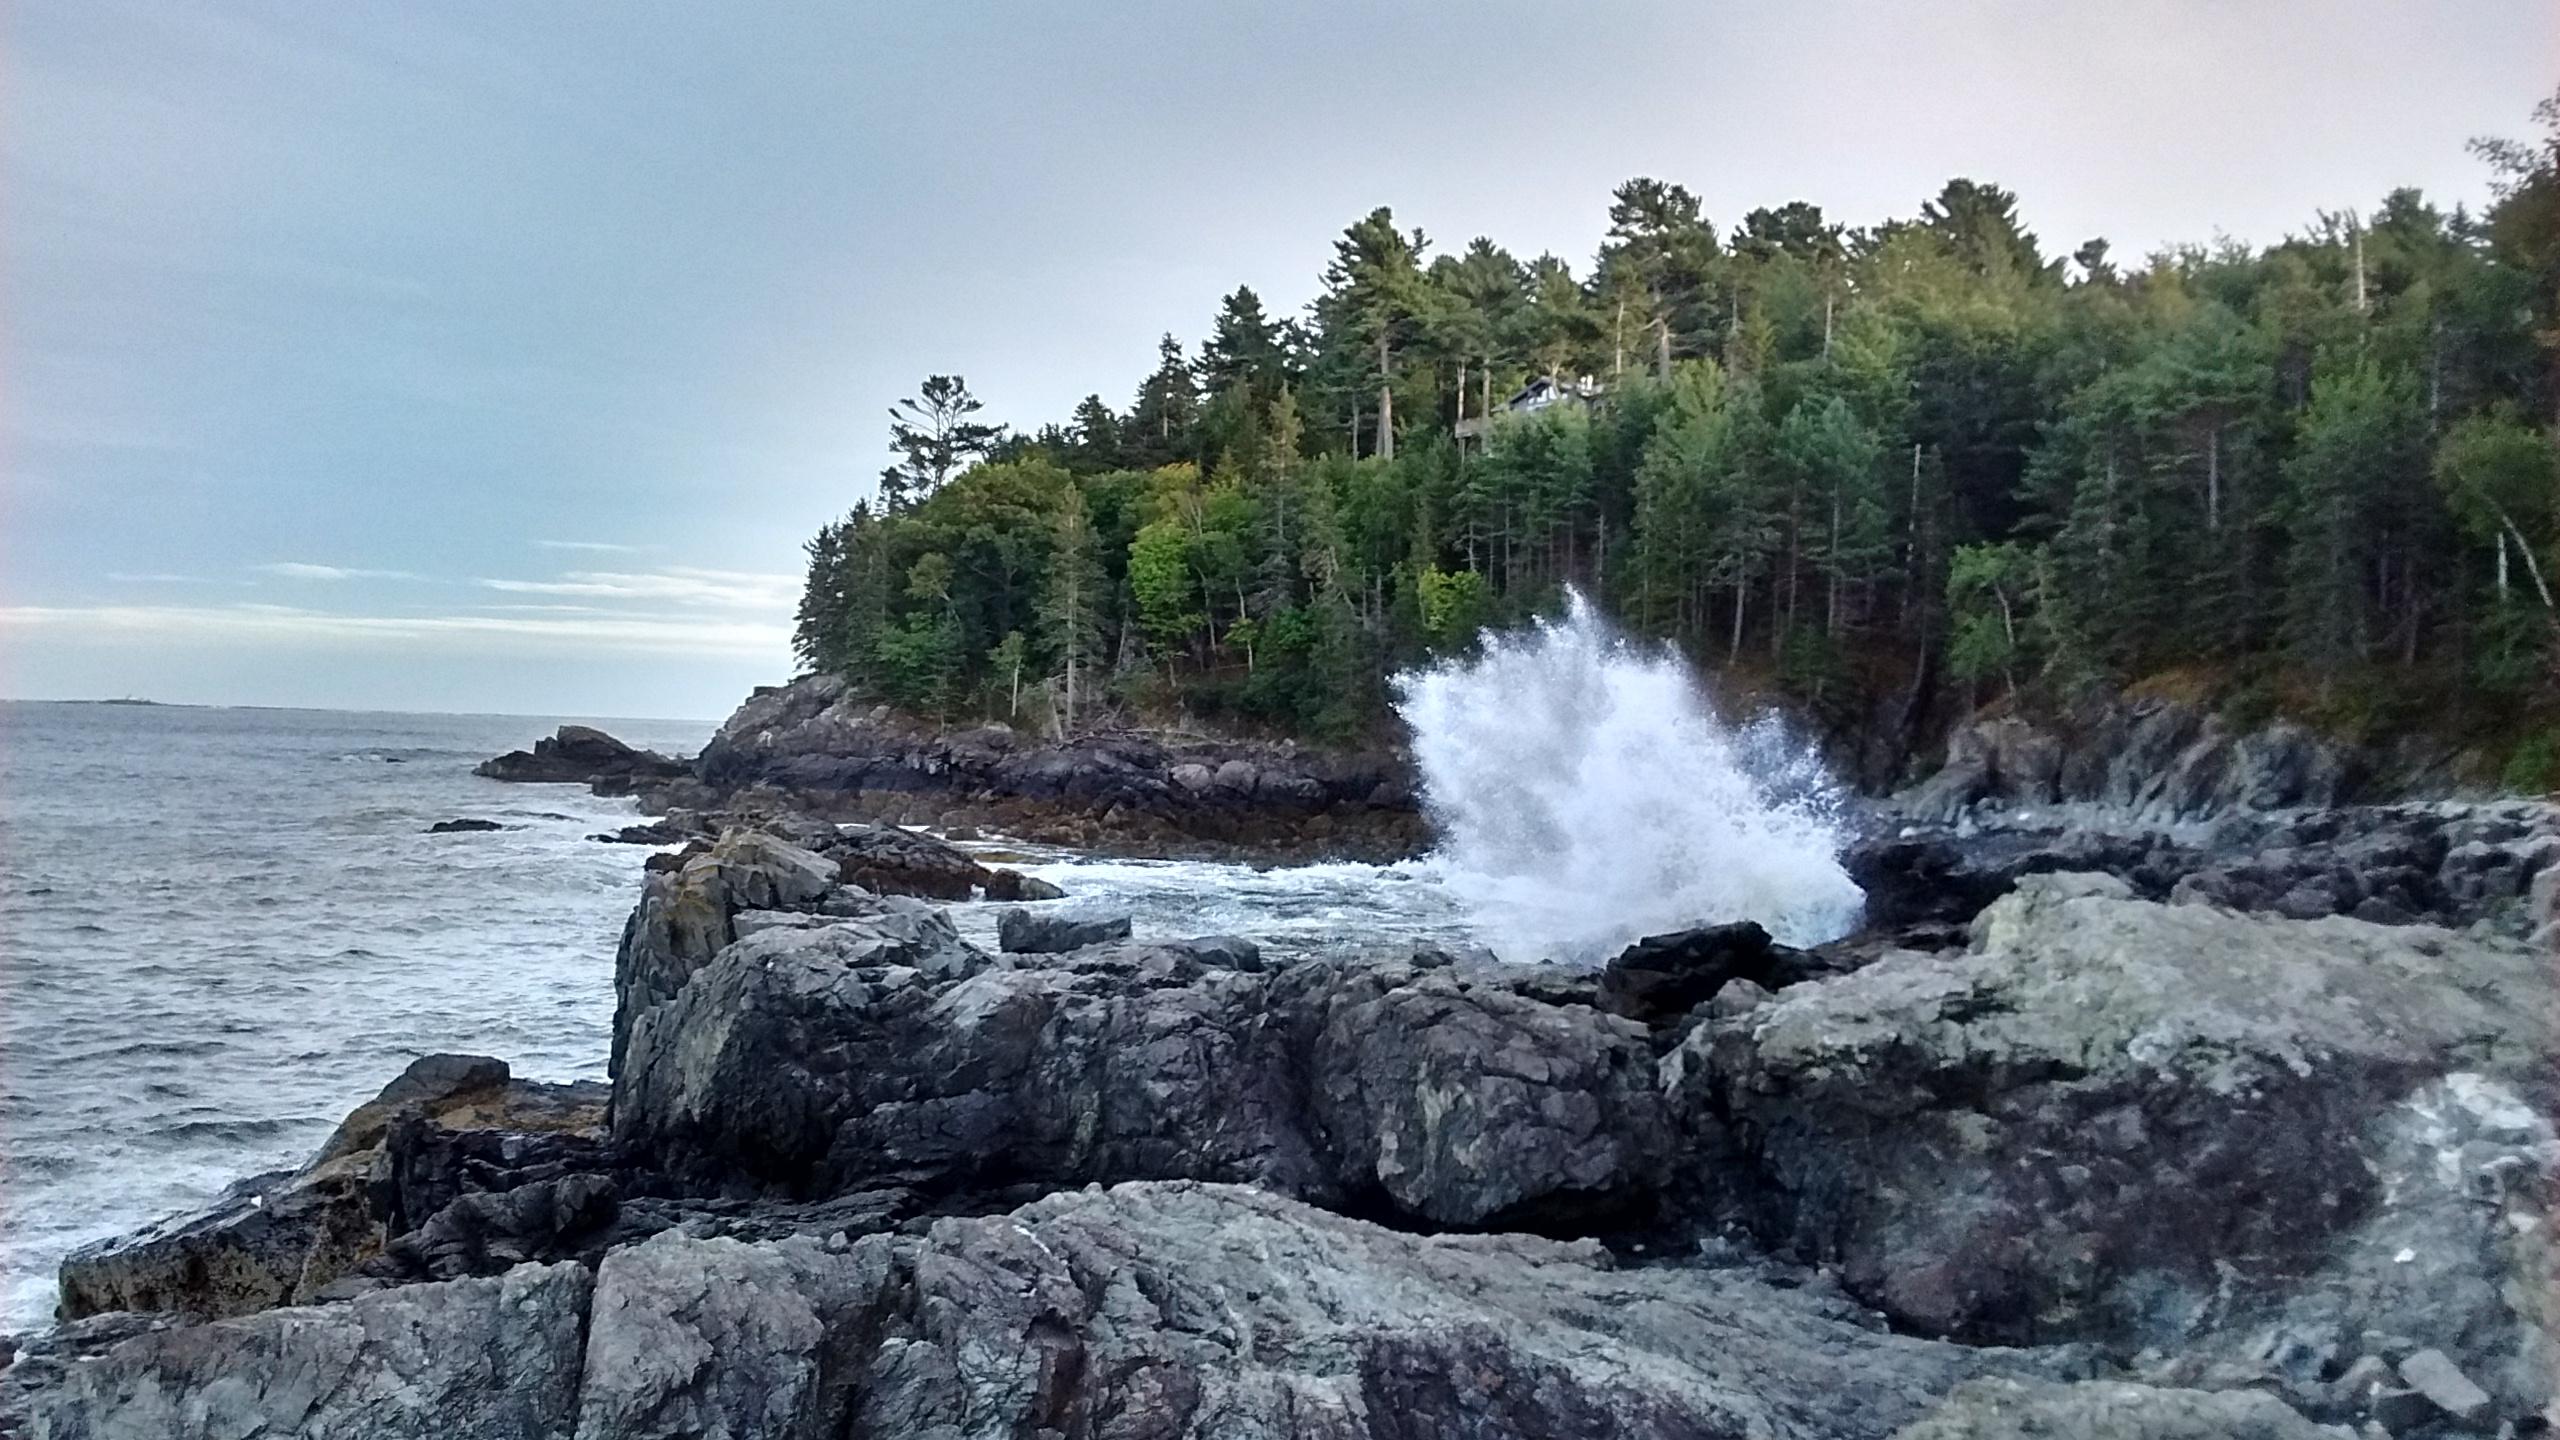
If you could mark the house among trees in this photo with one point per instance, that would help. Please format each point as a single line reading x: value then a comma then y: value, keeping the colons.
x: 1538, y: 394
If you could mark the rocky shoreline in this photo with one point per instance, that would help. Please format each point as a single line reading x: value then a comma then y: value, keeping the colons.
x: 2240, y: 1128
x: 811, y: 748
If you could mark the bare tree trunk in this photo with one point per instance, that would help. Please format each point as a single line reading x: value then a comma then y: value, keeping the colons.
x: 2357, y: 226
x: 1733, y: 647
x: 1618, y: 343
x: 2532, y: 566
x: 1662, y: 347
x: 1462, y: 392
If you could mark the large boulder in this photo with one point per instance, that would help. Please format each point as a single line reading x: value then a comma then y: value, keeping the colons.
x: 2159, y: 1126
x: 583, y: 755
x: 1174, y: 1310
x: 865, y: 1053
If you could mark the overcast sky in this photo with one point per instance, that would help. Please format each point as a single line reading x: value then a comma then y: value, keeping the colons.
x: 481, y: 355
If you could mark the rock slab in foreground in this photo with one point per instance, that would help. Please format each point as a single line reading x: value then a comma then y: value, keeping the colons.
x: 2248, y: 1139
x: 1147, y: 1310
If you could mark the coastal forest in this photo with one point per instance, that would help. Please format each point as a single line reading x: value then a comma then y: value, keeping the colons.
x: 1880, y: 474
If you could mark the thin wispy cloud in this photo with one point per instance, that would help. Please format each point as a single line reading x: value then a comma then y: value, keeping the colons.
x: 740, y: 589
x: 287, y: 625
x: 304, y: 570
x: 598, y: 546
x: 126, y: 577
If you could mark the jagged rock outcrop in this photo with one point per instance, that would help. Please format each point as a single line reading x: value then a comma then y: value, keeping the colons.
x: 2152, y: 758
x: 2454, y: 864
x: 283, y: 1238
x: 872, y: 1052
x: 1164, y: 1310
x: 583, y: 755
x: 2167, y: 1126
x: 832, y: 752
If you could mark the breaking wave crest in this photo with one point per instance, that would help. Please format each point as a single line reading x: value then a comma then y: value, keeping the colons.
x: 1587, y: 795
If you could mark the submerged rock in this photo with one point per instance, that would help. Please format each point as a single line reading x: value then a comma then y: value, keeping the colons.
x: 463, y: 827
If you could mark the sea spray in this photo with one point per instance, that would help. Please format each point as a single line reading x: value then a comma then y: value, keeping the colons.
x: 1587, y: 795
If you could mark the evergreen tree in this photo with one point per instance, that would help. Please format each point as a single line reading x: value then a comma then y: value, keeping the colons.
x: 934, y: 438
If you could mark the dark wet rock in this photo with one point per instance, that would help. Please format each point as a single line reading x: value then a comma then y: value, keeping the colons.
x: 1918, y: 875
x: 1169, y: 1309
x: 1045, y: 933
x: 1013, y: 885
x: 827, y: 750
x: 656, y: 832
x: 1661, y: 978
x: 2165, y: 1127
x: 581, y: 755
x: 463, y: 827
x: 2004, y: 1409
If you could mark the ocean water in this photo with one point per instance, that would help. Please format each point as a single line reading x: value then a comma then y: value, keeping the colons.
x: 220, y: 930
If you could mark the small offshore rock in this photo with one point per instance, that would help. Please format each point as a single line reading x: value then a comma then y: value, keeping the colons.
x: 1026, y: 932
x: 1013, y: 885
x: 463, y: 827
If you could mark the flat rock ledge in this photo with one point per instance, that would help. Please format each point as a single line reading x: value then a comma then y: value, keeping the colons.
x: 2087, y: 1163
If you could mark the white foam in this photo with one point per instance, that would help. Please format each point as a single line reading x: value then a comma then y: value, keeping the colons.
x: 1588, y: 795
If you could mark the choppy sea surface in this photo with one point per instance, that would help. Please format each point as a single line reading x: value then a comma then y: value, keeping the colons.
x: 222, y: 929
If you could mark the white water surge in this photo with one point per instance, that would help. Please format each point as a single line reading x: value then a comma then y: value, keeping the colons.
x: 1587, y: 795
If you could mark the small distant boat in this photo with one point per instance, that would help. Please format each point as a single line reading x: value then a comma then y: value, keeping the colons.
x: 128, y: 700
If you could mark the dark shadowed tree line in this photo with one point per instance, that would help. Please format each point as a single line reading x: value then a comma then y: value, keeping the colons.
x: 1883, y: 470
